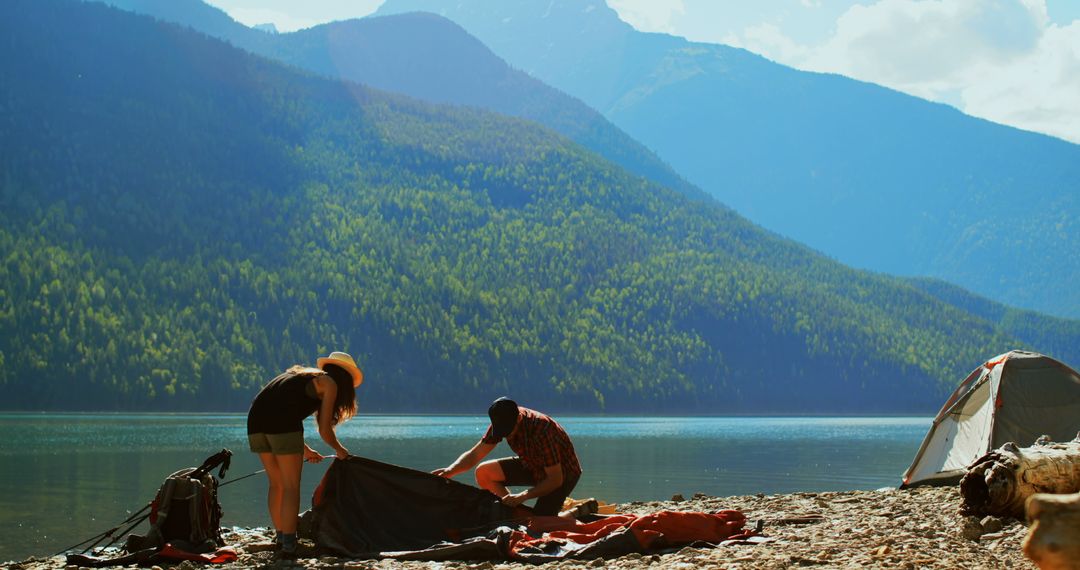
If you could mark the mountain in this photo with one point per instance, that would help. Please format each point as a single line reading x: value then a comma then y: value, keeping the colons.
x: 427, y: 57
x: 180, y: 220
x: 875, y: 178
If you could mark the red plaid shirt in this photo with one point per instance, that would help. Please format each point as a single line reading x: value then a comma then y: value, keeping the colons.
x: 540, y: 442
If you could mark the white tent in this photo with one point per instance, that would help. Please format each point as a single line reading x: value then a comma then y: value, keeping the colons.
x: 1017, y: 396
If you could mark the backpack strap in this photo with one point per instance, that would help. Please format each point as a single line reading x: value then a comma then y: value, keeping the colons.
x: 222, y: 458
x: 160, y: 512
x: 196, y: 501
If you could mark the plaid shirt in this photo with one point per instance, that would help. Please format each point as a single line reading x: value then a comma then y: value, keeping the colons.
x: 540, y: 442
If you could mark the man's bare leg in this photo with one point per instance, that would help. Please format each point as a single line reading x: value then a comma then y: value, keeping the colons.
x: 490, y: 476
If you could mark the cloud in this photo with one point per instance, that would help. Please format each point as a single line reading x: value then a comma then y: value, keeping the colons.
x: 284, y: 21
x: 1002, y: 60
x: 649, y: 14
x: 1039, y: 92
x: 768, y: 39
x: 906, y: 41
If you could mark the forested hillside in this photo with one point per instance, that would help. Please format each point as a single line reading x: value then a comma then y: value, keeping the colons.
x: 427, y: 57
x: 875, y: 178
x: 179, y: 220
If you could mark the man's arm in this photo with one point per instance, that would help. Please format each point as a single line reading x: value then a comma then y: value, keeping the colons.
x: 553, y: 479
x: 467, y: 461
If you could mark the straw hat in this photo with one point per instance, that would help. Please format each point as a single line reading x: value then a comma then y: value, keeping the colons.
x: 344, y: 361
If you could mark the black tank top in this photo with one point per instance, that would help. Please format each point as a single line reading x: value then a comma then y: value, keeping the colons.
x: 282, y: 405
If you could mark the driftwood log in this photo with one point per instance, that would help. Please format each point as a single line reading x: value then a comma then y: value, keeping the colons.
x: 1001, y: 481
x: 1053, y: 541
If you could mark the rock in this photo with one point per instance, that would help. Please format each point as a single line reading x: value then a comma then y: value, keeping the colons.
x: 991, y: 524
x: 677, y: 498
x: 971, y: 528
x: 596, y: 563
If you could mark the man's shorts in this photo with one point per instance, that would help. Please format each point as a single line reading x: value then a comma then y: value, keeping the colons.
x: 517, y: 475
x: 277, y: 443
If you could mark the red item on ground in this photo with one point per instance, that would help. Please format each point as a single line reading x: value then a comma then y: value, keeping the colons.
x: 219, y: 556
x: 672, y: 527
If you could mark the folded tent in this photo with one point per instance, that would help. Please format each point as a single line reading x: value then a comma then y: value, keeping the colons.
x: 367, y: 509
x: 1017, y: 396
x: 363, y: 507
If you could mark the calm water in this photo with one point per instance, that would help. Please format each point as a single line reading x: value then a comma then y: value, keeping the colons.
x: 67, y: 477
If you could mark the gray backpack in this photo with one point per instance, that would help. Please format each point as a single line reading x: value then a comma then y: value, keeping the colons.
x: 186, y: 512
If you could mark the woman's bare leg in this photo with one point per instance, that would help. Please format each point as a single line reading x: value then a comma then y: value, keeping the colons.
x: 274, y: 494
x: 290, y: 468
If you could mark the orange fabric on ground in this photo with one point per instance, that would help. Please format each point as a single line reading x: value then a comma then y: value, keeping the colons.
x: 685, y: 527
x: 674, y: 527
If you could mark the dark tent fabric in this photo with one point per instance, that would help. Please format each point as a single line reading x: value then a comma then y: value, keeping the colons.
x: 364, y: 507
x: 367, y: 509
x: 505, y: 543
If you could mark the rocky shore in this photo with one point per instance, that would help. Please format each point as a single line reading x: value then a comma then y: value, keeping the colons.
x: 918, y: 528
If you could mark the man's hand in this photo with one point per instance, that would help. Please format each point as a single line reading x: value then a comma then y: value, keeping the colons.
x: 312, y: 456
x: 442, y: 472
x: 515, y: 499
x: 342, y: 453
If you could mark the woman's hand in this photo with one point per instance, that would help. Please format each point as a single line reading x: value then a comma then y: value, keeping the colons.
x: 442, y: 472
x: 312, y: 456
x: 342, y: 453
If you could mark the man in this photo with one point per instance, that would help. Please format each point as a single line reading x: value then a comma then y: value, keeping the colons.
x: 546, y: 461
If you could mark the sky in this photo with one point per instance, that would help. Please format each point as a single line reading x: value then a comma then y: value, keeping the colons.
x: 1015, y: 62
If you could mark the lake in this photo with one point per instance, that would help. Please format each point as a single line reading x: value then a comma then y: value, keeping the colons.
x: 67, y: 477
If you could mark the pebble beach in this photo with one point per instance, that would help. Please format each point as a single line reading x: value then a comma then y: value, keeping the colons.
x: 888, y: 528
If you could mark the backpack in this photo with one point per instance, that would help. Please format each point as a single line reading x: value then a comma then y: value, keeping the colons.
x: 186, y: 511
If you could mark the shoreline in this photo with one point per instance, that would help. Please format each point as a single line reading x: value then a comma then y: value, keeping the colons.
x: 929, y: 416
x: 911, y: 528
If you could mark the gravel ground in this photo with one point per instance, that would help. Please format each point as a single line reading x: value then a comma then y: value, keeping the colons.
x: 918, y: 528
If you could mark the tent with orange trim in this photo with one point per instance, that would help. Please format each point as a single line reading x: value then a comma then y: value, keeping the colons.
x: 1017, y: 396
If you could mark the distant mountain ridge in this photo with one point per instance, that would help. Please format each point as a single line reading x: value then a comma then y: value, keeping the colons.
x: 427, y: 57
x: 873, y: 177
x: 181, y: 220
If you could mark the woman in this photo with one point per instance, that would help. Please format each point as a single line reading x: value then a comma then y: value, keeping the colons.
x: 276, y: 430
